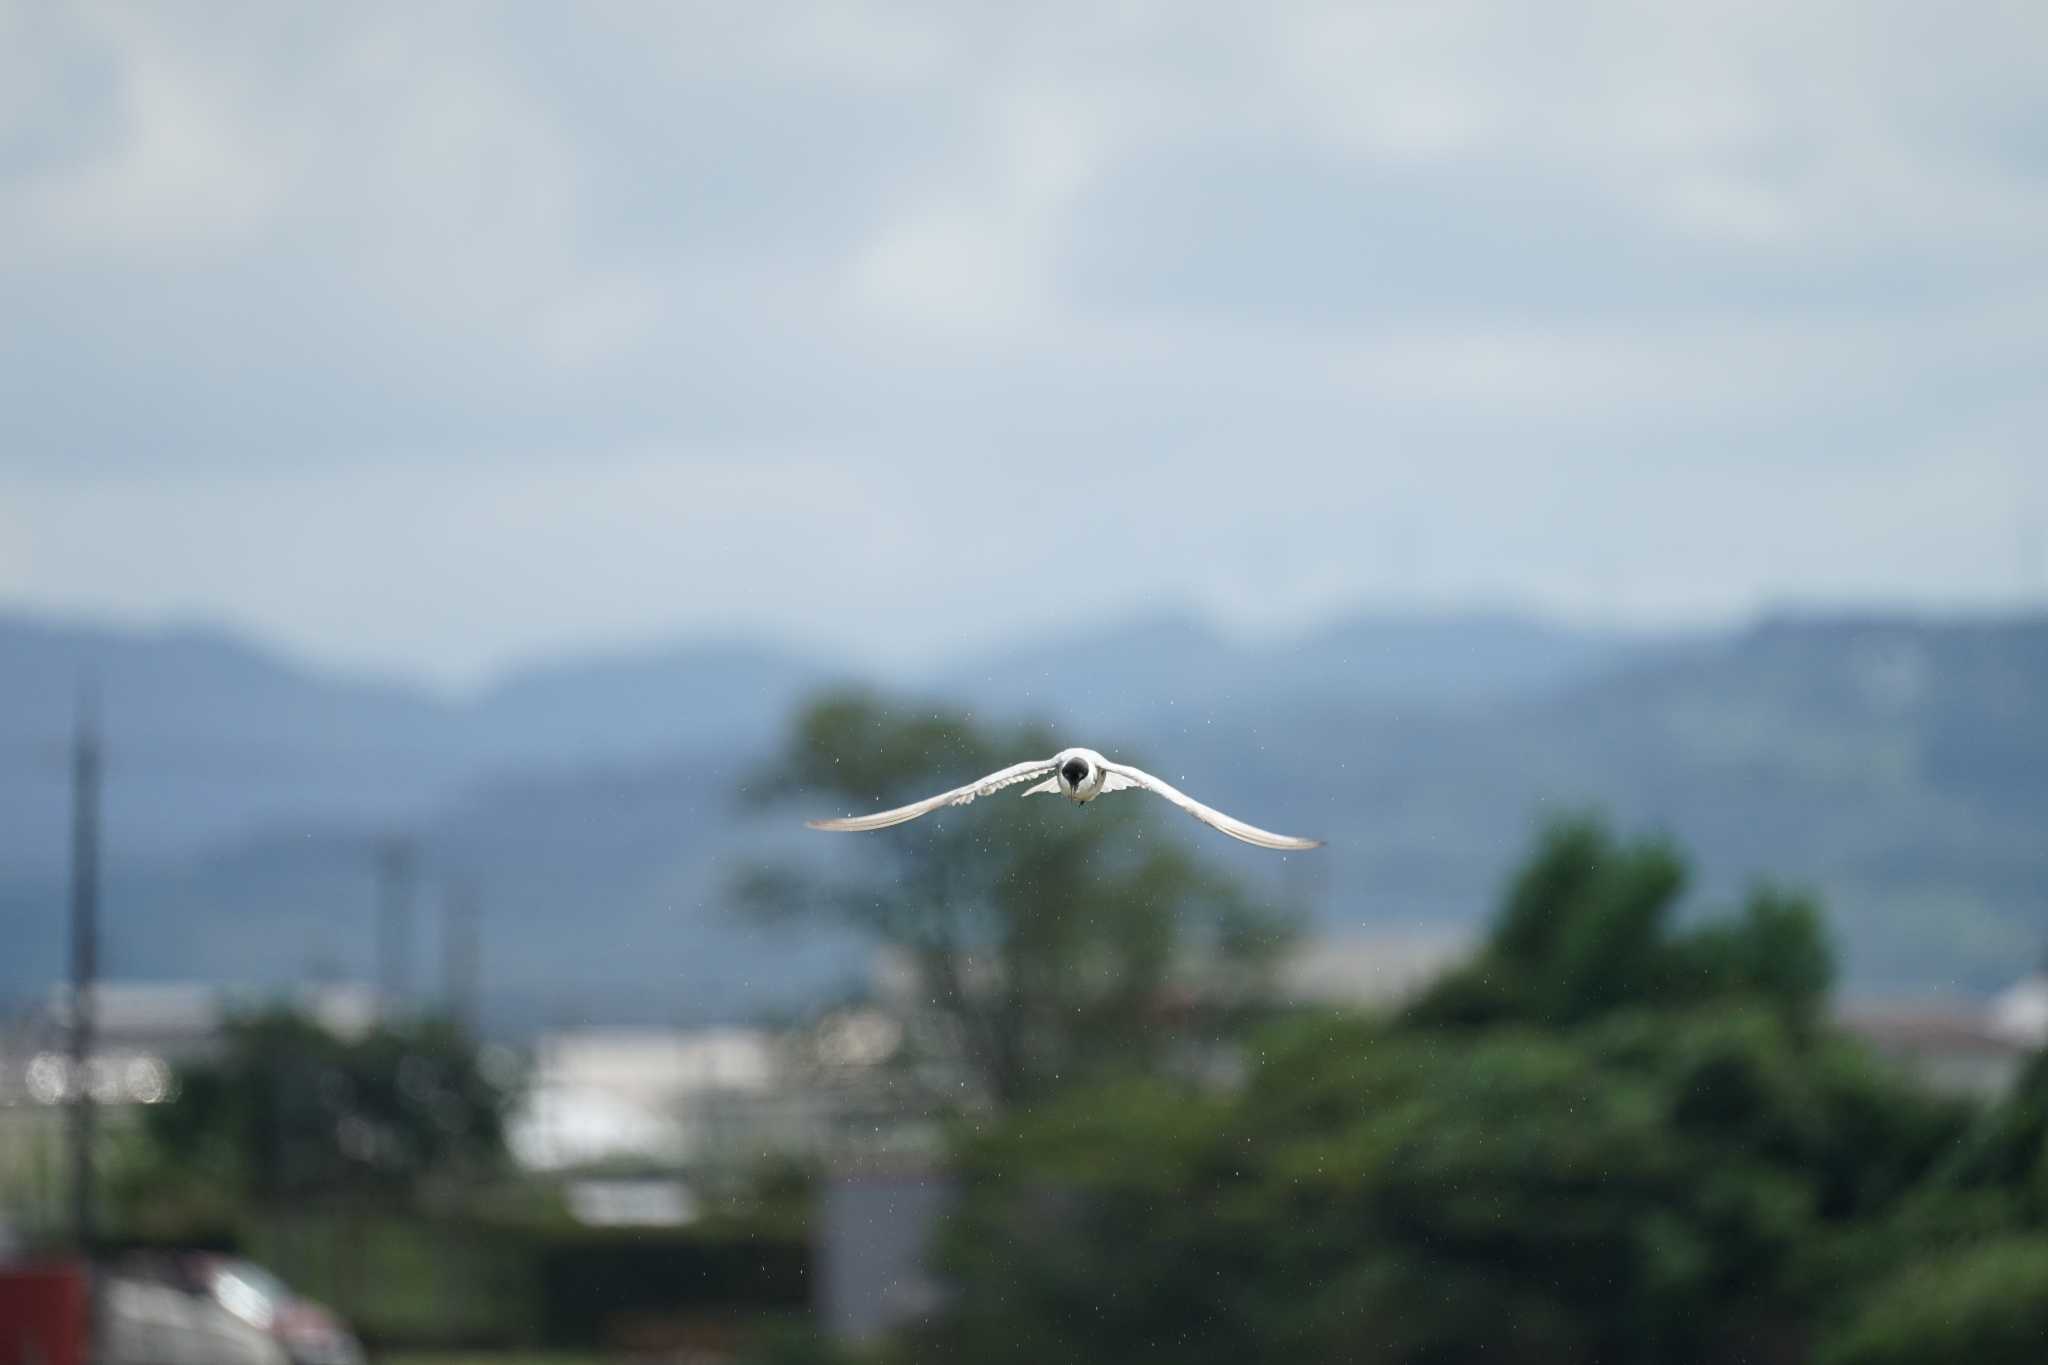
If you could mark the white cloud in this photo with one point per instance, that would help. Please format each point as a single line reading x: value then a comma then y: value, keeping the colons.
x: 951, y: 266
x: 601, y: 318
x: 180, y: 168
x: 980, y: 252
x: 450, y: 332
x: 1731, y: 208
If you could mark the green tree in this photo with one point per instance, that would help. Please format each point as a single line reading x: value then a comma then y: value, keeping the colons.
x: 1605, y: 1142
x: 2007, y: 1153
x: 1586, y: 929
x: 1986, y: 1303
x: 1051, y: 942
x: 291, y: 1112
x: 1647, y: 1189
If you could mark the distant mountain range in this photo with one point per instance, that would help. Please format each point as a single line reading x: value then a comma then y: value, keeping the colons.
x: 1898, y: 764
x: 211, y: 738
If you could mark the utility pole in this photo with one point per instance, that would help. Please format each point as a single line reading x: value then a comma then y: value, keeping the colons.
x: 395, y: 868
x: 461, y: 950
x: 85, y: 952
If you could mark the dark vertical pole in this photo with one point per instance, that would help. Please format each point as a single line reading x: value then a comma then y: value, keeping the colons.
x: 394, y: 925
x: 85, y: 951
x: 461, y: 945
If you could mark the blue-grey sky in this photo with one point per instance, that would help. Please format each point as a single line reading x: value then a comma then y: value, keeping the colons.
x: 433, y: 336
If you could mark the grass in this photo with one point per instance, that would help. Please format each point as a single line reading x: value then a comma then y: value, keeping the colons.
x: 412, y: 1280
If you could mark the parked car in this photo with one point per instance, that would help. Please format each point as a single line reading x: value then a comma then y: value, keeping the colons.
x: 308, y: 1333
x: 146, y: 1320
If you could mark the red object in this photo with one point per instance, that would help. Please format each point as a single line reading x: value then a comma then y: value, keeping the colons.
x: 42, y: 1315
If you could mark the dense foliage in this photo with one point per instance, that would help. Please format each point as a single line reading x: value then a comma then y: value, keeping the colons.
x: 289, y: 1113
x: 1611, y: 1139
x: 1587, y: 929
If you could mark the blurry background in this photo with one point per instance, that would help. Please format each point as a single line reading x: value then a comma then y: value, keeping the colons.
x: 473, y: 466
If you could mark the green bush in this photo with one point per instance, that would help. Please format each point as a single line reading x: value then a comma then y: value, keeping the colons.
x: 1606, y: 1140
x: 408, y: 1281
x: 1981, y: 1305
x: 1646, y: 1190
x: 594, y: 1288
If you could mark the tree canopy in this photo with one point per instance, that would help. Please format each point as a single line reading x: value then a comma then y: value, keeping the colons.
x: 288, y: 1111
x: 1587, y: 928
x: 1049, y: 941
x: 1610, y: 1138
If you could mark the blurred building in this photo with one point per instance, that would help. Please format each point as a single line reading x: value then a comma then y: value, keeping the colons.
x: 1976, y: 1052
x: 652, y: 1096
x: 1374, y: 971
x: 712, y: 1102
x: 143, y: 1030
x: 2019, y: 1013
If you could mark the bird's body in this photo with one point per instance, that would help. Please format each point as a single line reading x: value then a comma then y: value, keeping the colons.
x: 1080, y: 775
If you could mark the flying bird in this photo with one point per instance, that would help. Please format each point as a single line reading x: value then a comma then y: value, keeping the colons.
x: 1080, y: 775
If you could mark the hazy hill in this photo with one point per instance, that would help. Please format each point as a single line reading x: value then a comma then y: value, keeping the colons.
x: 206, y: 735
x: 1141, y: 670
x: 210, y: 738
x: 628, y: 705
x: 1898, y: 764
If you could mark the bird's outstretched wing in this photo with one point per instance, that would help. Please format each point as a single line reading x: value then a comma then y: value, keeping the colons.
x: 959, y: 796
x: 1235, y: 828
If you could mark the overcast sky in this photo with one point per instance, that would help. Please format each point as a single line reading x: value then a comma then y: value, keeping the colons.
x: 432, y: 337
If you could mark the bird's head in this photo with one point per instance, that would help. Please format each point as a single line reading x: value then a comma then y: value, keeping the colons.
x: 1076, y: 769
